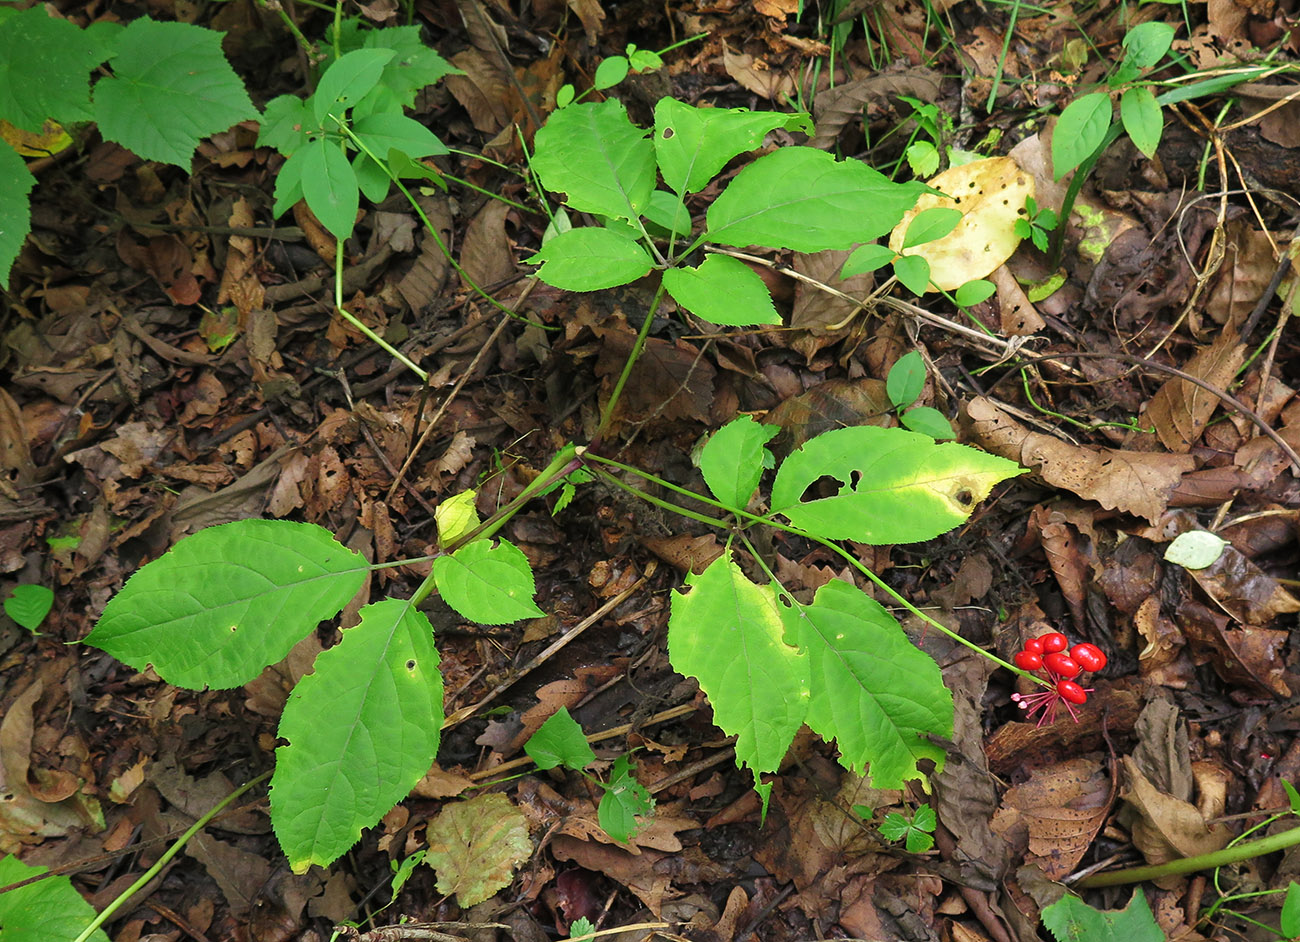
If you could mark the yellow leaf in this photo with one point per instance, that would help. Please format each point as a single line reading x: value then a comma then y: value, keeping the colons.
x: 51, y: 139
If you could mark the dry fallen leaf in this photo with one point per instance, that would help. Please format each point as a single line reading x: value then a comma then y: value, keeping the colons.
x: 1057, y: 813
x: 475, y: 846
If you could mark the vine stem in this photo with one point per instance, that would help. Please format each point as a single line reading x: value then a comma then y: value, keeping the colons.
x: 607, y: 414
x: 171, y: 852
x: 1219, y: 858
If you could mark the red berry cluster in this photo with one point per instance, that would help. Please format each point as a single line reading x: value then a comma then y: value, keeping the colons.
x: 1047, y: 655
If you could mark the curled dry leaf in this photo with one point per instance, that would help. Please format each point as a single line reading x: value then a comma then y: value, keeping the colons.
x: 1056, y: 813
x: 1179, y: 410
x: 991, y: 194
x: 1164, y: 827
x: 1136, y: 482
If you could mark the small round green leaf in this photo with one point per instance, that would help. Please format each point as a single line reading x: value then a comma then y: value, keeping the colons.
x: 1147, y: 43
x: 1195, y: 549
x: 732, y: 460
x: 928, y: 421
x: 610, y: 72
x: 29, y: 604
x: 492, y: 585
x: 906, y: 379
x: 867, y: 258
x: 914, y: 272
x: 973, y: 292
x: 625, y: 798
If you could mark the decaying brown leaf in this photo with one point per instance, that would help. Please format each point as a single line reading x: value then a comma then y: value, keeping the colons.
x: 1180, y: 410
x: 1056, y: 814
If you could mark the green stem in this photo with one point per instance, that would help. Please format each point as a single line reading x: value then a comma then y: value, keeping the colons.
x: 660, y: 502
x: 607, y: 414
x: 352, y: 319
x: 1072, y: 193
x: 171, y: 852
x: 1220, y: 858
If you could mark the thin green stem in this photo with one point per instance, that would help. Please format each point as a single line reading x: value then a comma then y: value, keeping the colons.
x: 607, y: 414
x: 1002, y: 59
x: 299, y: 38
x: 355, y: 322
x: 1072, y: 193
x: 658, y: 501
x: 1220, y: 858
x: 488, y: 193
x: 171, y: 852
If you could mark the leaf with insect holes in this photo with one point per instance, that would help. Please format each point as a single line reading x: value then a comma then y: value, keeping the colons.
x: 475, y: 846
x: 28, y: 605
x: 906, y: 379
x: 1070, y: 919
x: 893, y: 486
x: 693, y: 144
x: 624, y: 800
x: 48, y: 910
x: 1080, y: 131
x: 723, y: 291
x: 871, y: 690
x: 591, y: 258
x: 597, y: 158
x: 560, y: 741
x: 489, y: 584
x: 804, y: 199
x: 1142, y: 118
x: 362, y: 728
x: 229, y: 600
x: 759, y: 688
x: 734, y: 457
x: 171, y: 87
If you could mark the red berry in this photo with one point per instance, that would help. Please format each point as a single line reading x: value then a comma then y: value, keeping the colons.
x: 1061, y: 664
x: 1034, y: 646
x: 1028, y: 661
x: 1053, y: 641
x: 1071, y: 692
x: 1088, y: 656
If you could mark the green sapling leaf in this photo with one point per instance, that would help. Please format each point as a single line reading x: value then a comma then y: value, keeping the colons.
x: 895, y: 486
x: 906, y: 379
x: 625, y: 798
x: 362, y: 729
x: 1292, y: 795
x: 872, y: 691
x: 1291, y: 911
x: 931, y: 224
x: 384, y: 132
x: 1147, y: 43
x: 28, y: 605
x: 49, y: 910
x: 1080, y: 131
x: 456, y: 516
x: 610, y: 72
x: 804, y: 199
x: 977, y: 290
x: 492, y: 585
x: 45, y: 65
x: 591, y: 258
x: 669, y: 213
x: 16, y: 181
x: 288, y: 182
x: 929, y: 422
x: 759, y: 689
x: 914, y: 272
x: 329, y: 184
x: 597, y: 158
x: 724, y: 291
x: 560, y: 741
x: 412, y: 67
x: 644, y: 60
x: 285, y: 123
x: 734, y: 457
x: 1142, y: 118
x: 581, y: 927
x: 171, y: 87
x: 229, y: 600
x: 866, y: 258
x: 922, y: 158
x: 1070, y: 919
x: 347, y: 80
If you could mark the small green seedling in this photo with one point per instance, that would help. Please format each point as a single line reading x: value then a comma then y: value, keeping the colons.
x: 28, y: 605
x: 1038, y: 222
x: 917, y: 833
x: 904, y: 384
x: 581, y: 928
x: 560, y: 741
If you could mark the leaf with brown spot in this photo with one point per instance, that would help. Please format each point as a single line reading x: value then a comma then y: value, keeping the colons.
x: 1061, y: 808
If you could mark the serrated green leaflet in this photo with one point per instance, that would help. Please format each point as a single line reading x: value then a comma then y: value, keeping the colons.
x: 16, y: 181
x: 870, y: 689
x: 759, y: 686
x: 693, y: 144
x: 229, y: 600
x: 591, y: 258
x: 362, y: 728
x: 48, y: 911
x: 283, y: 124
x: 625, y: 798
x: 597, y: 158
x: 45, y: 65
x: 413, y: 66
x: 804, y: 199
x: 559, y: 741
x: 722, y: 290
x: 734, y: 457
x: 171, y: 87
x: 1070, y: 919
x: 492, y: 585
x: 894, y: 486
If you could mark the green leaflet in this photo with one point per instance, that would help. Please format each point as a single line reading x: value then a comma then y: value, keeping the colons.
x: 492, y: 585
x: 1070, y: 918
x: 871, y: 689
x: 596, y: 157
x: 591, y: 258
x: 49, y: 911
x: 1080, y: 131
x: 722, y: 290
x: 16, y: 181
x: 171, y: 87
x: 348, y: 79
x: 363, y: 728
x: 727, y: 633
x: 894, y: 486
x: 329, y: 185
x: 45, y: 65
x: 229, y: 600
x: 734, y: 457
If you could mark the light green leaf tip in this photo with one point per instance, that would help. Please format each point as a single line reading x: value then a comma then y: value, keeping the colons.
x: 489, y: 584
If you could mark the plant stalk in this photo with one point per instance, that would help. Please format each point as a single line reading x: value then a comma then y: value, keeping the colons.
x: 607, y: 414
x: 1219, y: 858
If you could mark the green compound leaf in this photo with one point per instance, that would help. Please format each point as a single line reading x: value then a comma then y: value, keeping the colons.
x: 804, y: 199
x: 347, y: 80
x: 591, y: 258
x: 724, y: 291
x: 16, y: 181
x: 693, y: 144
x: 45, y: 66
x: 384, y: 132
x: 1079, y: 131
x: 560, y: 741
x: 727, y: 633
x: 229, y: 600
x: 1142, y: 119
x: 362, y: 729
x: 492, y: 585
x: 894, y: 486
x: 906, y: 379
x: 476, y: 845
x: 412, y: 67
x: 48, y: 911
x: 171, y: 87
x: 597, y: 158
x: 284, y: 124
x: 329, y: 184
x: 734, y: 457
x: 871, y: 689
x: 29, y: 604
x: 894, y: 827
x: 1070, y: 919
x: 625, y: 798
